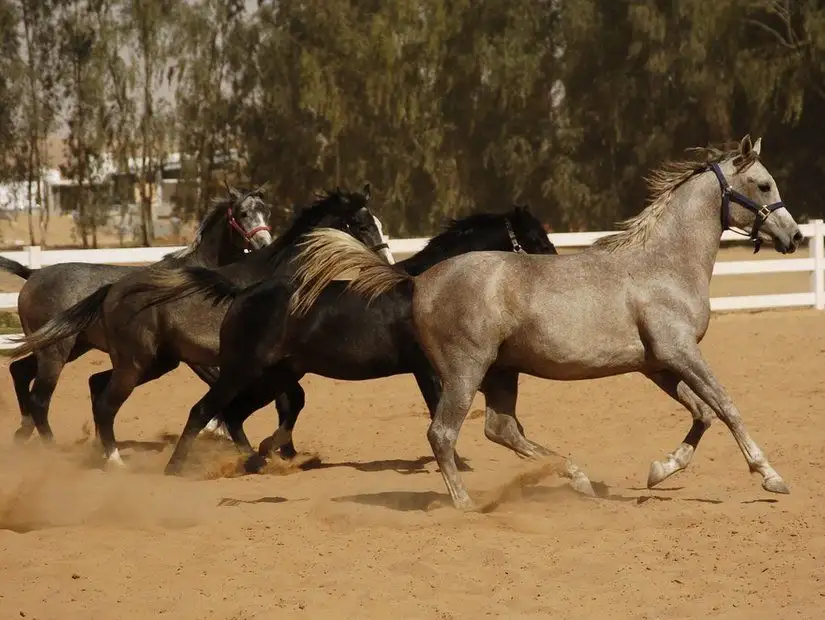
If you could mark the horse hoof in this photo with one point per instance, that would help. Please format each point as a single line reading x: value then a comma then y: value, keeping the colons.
x: 22, y: 434
x: 657, y: 474
x: 173, y: 469
x: 583, y: 486
x: 465, y: 504
x: 114, y: 461
x: 254, y: 464
x: 287, y: 453
x: 776, y: 485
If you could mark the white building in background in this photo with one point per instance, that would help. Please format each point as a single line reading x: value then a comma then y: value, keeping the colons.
x: 124, y: 211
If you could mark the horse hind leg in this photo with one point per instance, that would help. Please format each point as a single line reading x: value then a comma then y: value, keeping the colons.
x: 703, y: 416
x: 216, y: 426
x: 50, y: 364
x: 23, y: 372
x: 501, y: 426
x: 112, y: 393
x: 430, y: 387
x: 108, y: 402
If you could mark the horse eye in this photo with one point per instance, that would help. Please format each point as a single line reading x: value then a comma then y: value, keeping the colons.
x: 764, y: 187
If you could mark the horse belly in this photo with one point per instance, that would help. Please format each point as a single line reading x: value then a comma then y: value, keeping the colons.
x: 571, y: 354
x: 196, y: 340
x: 349, y: 357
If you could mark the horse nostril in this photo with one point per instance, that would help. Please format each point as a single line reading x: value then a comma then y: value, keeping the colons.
x: 798, y: 237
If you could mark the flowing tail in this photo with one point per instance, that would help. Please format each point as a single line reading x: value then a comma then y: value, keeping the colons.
x: 68, y: 323
x: 12, y: 266
x: 162, y: 285
x: 328, y: 254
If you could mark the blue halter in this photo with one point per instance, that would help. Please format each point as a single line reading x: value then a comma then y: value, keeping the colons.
x: 762, y: 212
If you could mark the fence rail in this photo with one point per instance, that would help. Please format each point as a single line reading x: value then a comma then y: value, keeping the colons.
x: 36, y: 257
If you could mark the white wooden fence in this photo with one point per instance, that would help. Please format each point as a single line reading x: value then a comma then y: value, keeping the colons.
x: 814, y: 265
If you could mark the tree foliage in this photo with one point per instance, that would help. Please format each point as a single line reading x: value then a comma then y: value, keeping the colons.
x: 445, y: 107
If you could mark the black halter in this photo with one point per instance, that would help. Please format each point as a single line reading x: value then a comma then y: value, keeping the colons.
x: 380, y: 246
x: 516, y: 245
x: 762, y: 212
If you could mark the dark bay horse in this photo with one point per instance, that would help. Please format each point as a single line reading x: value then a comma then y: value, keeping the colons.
x: 264, y: 352
x: 145, y: 343
x: 238, y: 221
x: 637, y: 301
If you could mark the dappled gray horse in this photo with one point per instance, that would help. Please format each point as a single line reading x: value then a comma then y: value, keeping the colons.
x: 236, y: 222
x: 636, y: 301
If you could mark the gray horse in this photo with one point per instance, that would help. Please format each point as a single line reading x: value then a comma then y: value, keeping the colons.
x: 636, y: 301
x: 234, y: 223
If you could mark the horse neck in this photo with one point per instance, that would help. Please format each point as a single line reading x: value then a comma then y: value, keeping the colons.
x: 472, y: 242
x: 686, y: 237
x: 272, y: 261
x: 218, y: 246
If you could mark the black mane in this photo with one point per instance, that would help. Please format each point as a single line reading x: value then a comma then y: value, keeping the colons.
x: 335, y: 202
x: 456, y: 236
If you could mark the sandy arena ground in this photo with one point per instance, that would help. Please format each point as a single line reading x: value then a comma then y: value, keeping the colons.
x: 365, y: 529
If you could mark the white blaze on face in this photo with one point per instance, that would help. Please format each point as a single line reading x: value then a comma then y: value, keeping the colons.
x: 383, y: 252
x: 262, y: 238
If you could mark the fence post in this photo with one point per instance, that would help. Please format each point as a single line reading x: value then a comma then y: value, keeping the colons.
x: 35, y: 259
x: 818, y: 277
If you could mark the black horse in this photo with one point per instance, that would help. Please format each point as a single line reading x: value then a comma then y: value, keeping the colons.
x: 265, y: 351
x: 145, y: 342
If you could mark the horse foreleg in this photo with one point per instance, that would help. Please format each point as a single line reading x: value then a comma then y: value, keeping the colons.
x: 218, y: 398
x: 685, y: 360
x: 703, y: 415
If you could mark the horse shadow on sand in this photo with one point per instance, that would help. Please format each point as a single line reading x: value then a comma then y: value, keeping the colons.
x: 514, y: 492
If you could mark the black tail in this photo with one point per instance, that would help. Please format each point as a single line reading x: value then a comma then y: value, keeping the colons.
x: 162, y: 285
x: 68, y: 323
x: 12, y: 266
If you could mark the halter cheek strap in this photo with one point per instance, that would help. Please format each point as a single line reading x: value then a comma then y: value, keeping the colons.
x: 513, y: 240
x: 762, y: 212
x: 233, y: 223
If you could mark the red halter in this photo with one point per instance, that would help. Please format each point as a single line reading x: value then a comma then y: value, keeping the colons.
x: 233, y: 223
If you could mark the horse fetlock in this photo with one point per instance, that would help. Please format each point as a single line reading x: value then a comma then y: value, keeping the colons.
x: 114, y: 460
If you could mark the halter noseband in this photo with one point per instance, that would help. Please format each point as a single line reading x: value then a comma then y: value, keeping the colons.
x: 762, y: 212
x: 380, y: 246
x: 513, y: 240
x: 233, y: 223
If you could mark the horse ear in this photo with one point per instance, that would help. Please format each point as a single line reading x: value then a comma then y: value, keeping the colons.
x: 367, y: 191
x: 234, y: 193
x: 745, y: 146
x: 757, y: 146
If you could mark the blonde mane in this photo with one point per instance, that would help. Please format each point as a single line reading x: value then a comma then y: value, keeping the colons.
x: 662, y: 183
